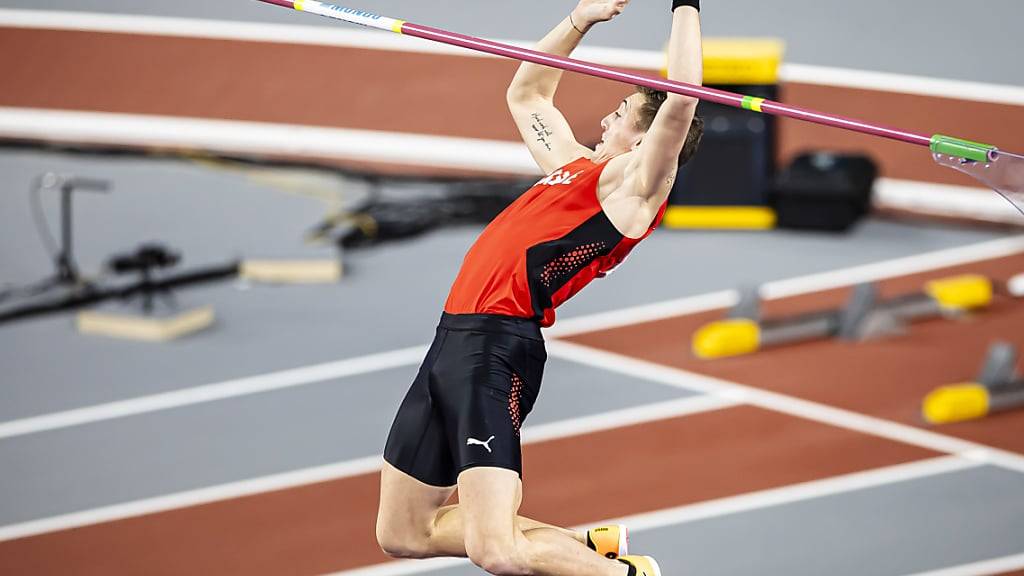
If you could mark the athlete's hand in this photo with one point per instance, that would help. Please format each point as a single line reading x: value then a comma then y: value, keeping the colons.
x: 590, y: 12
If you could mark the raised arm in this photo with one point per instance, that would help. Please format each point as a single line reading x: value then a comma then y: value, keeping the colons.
x: 531, y: 95
x: 657, y: 158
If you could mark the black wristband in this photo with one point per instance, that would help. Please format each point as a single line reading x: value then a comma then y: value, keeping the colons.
x: 678, y: 3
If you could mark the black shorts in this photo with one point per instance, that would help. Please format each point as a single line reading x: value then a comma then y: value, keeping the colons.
x: 475, y: 388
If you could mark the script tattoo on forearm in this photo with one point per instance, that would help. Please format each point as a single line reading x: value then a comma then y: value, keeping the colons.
x: 541, y: 129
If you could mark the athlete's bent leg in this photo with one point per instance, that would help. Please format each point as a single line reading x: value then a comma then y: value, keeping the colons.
x: 489, y: 501
x: 413, y: 523
x: 407, y: 512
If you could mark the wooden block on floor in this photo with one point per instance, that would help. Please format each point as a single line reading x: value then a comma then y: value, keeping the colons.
x: 298, y: 271
x: 131, y: 323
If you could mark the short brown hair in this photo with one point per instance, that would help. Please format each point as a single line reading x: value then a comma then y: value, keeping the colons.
x: 653, y: 99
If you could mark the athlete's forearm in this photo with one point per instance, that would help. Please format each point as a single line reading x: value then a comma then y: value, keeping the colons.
x: 534, y: 80
x: 685, y: 58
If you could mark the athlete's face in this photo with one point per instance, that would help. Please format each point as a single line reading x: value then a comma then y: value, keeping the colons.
x: 620, y: 134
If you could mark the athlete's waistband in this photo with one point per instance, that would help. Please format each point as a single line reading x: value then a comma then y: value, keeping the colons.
x: 522, y: 327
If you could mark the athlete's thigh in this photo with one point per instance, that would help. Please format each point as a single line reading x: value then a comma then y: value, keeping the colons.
x: 408, y: 506
x: 489, y: 500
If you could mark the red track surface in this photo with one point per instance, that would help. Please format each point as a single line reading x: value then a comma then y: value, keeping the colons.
x: 329, y: 526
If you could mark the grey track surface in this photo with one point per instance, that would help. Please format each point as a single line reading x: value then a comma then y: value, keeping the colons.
x: 900, y: 528
x: 391, y: 299
x: 397, y: 289
x: 940, y: 38
x: 237, y: 439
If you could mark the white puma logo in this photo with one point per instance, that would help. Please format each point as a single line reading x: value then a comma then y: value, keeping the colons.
x: 475, y: 442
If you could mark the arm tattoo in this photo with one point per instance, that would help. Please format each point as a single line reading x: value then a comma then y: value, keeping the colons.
x: 541, y: 130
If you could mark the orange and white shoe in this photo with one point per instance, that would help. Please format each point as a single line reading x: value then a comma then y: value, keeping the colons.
x: 642, y: 565
x: 609, y: 541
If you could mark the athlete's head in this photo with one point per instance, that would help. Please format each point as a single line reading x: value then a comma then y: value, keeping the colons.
x: 626, y: 126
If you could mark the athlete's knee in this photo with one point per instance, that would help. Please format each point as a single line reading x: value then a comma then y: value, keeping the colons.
x: 498, y: 558
x: 402, y: 543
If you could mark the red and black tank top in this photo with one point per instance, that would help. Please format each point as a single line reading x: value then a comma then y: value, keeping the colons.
x: 543, y: 249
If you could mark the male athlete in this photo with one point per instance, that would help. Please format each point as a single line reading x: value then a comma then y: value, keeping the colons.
x: 459, y: 423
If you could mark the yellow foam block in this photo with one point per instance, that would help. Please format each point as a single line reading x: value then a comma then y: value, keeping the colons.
x: 961, y: 292
x: 727, y: 338
x: 741, y: 60
x: 956, y: 403
x: 722, y: 217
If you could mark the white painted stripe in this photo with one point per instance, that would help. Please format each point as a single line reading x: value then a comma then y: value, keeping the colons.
x: 625, y: 417
x: 292, y: 34
x: 800, y: 408
x: 798, y: 492
x: 792, y: 287
x: 191, y: 498
x: 725, y: 506
x: 531, y: 435
x: 566, y: 327
x: 902, y: 83
x: 982, y: 568
x: 264, y: 138
x: 944, y: 200
x: 367, y: 39
x: 212, y: 392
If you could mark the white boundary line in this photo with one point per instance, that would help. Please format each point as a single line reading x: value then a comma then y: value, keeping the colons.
x: 368, y: 39
x: 211, y: 392
x: 265, y: 138
x: 531, y: 435
x: 479, y: 155
x: 982, y: 568
x: 338, y: 36
x: 793, y: 286
x: 792, y: 406
x: 943, y: 200
x: 589, y: 323
x: 724, y: 506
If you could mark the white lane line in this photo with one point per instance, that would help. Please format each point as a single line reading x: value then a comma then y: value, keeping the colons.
x: 942, y: 200
x: 800, y: 285
x: 531, y: 434
x: 982, y: 568
x: 267, y: 138
x: 785, y: 404
x: 211, y: 392
x: 798, y: 492
x: 368, y: 39
x: 731, y: 505
x: 600, y: 321
x: 191, y: 498
x: 625, y: 417
x: 302, y: 34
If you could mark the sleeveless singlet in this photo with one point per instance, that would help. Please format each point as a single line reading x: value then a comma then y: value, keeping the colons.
x: 543, y: 249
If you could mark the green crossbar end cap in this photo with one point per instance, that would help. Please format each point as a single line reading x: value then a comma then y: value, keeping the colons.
x: 961, y: 148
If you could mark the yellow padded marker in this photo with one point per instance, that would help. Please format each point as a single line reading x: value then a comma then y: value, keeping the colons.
x: 298, y: 5
x: 961, y: 292
x: 955, y: 403
x: 724, y: 338
x: 397, y: 26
